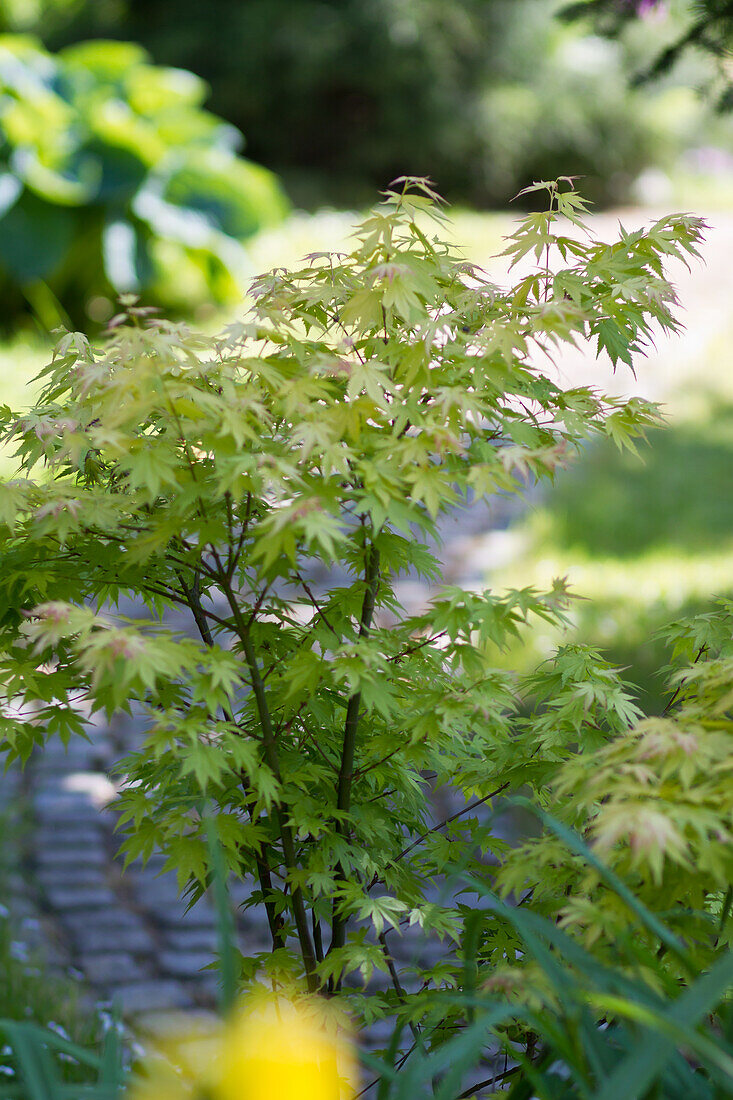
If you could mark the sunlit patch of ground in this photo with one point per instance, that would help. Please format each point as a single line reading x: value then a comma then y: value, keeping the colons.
x: 645, y: 540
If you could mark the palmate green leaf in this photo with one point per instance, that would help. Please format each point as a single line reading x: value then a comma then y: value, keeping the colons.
x: 187, y: 855
x: 34, y: 238
x: 616, y: 341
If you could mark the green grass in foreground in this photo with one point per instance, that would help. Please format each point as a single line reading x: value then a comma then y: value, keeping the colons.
x: 29, y: 994
x: 21, y: 357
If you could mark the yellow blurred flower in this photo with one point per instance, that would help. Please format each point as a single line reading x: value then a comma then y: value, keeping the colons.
x: 284, y: 1050
x: 274, y: 1048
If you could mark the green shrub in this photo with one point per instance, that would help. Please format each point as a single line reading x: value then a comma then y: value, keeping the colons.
x: 365, y: 395
x: 113, y: 179
x: 696, y: 28
x: 657, y: 802
x: 555, y: 1023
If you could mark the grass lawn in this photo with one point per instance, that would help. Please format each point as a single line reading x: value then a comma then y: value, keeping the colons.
x: 645, y: 540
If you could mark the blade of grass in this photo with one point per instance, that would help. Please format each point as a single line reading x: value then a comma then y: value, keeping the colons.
x: 224, y: 921
x: 51, y: 1039
x: 577, y: 845
x: 681, y: 1036
x: 637, y: 1071
x: 33, y: 1059
x: 111, y: 1070
x: 458, y: 1054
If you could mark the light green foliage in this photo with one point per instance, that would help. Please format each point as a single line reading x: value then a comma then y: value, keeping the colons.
x: 113, y: 179
x: 569, y: 1025
x: 656, y: 801
x: 363, y: 396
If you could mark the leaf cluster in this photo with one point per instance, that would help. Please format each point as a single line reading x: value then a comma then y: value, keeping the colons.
x: 656, y: 802
x: 557, y: 1023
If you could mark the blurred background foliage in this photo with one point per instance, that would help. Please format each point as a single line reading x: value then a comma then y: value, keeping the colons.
x: 113, y: 179
x: 707, y: 29
x: 645, y: 539
x: 341, y: 96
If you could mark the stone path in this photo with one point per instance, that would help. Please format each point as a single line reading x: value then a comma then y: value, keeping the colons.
x: 130, y: 936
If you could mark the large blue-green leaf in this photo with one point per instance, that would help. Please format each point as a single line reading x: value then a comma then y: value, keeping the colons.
x: 10, y: 190
x: 181, y: 128
x: 192, y: 230
x: 122, y: 172
x: 97, y: 129
x: 103, y: 59
x: 127, y: 261
x: 71, y: 184
x: 34, y: 238
x: 234, y: 196
x: 112, y: 122
x: 25, y: 67
x: 40, y: 121
x: 152, y: 89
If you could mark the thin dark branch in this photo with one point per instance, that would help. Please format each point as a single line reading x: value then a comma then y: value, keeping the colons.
x: 675, y: 694
x: 439, y: 826
x: 489, y: 1081
x: 271, y: 758
x: 377, y: 763
x: 346, y: 771
x: 388, y: 958
x: 258, y: 604
x: 417, y: 646
x: 306, y: 588
x: 236, y: 554
x: 317, y: 937
x: 311, y: 737
x: 171, y: 595
x: 262, y: 859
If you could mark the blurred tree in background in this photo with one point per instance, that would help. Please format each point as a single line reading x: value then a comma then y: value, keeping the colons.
x: 341, y: 96
x: 113, y: 179
x: 707, y: 26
